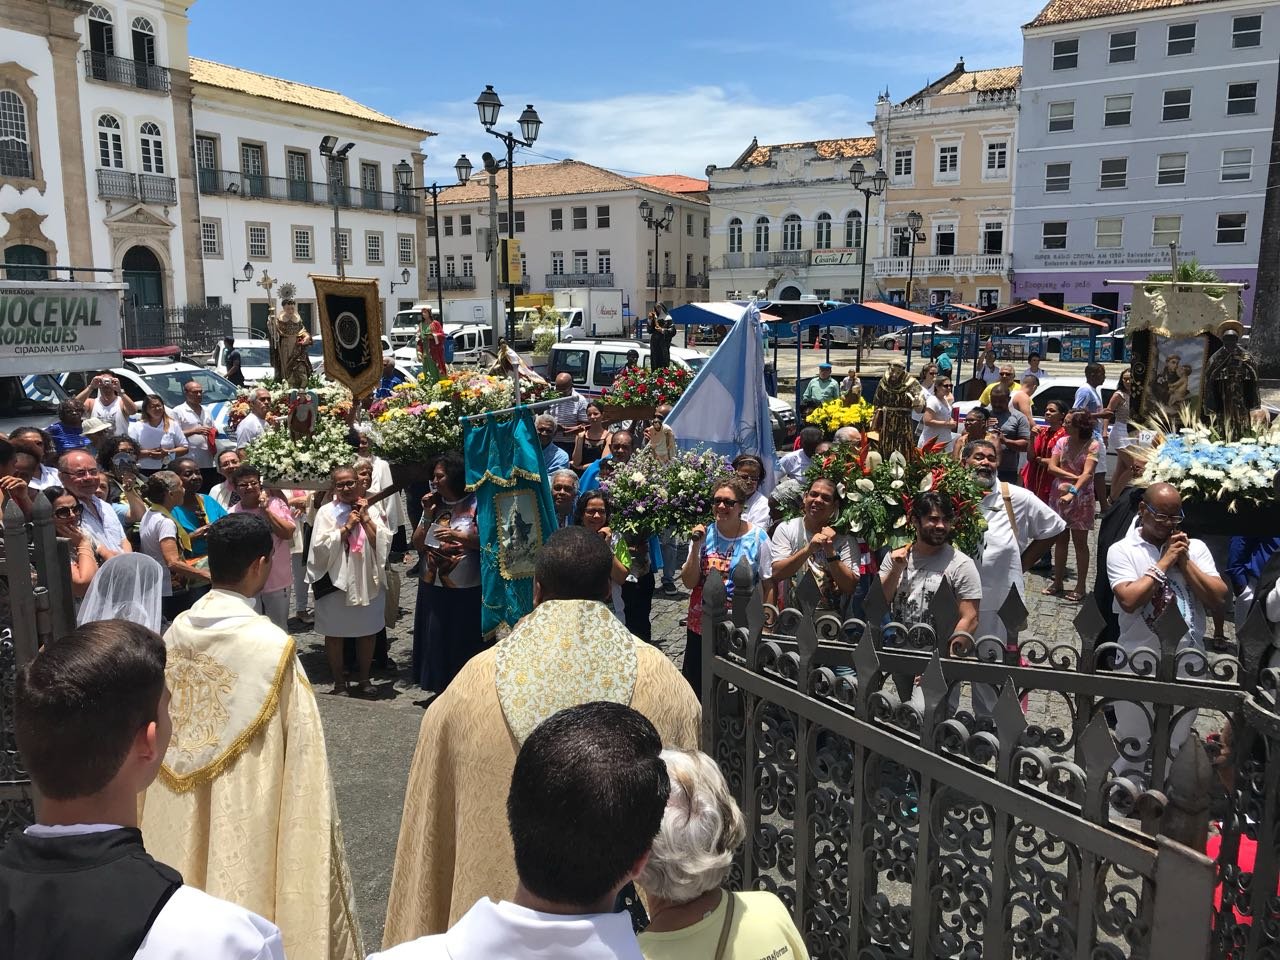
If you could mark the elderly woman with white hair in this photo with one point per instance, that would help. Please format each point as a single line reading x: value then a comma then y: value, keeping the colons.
x: 691, y: 916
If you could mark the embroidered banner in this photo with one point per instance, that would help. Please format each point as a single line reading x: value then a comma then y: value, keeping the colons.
x: 350, y: 318
x: 514, y: 512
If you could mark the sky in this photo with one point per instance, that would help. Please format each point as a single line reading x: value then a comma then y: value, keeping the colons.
x: 659, y: 87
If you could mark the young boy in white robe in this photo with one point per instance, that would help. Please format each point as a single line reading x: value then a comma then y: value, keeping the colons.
x: 92, y: 725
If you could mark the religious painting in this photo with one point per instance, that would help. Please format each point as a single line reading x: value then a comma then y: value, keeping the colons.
x: 1175, y: 374
x: 351, y: 332
x: 519, y: 532
x: 303, y: 406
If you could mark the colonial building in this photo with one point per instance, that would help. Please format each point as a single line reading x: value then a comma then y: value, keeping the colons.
x: 785, y: 219
x: 1143, y: 123
x: 949, y: 152
x: 578, y: 226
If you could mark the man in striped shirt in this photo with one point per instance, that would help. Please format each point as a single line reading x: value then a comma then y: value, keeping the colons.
x: 570, y: 412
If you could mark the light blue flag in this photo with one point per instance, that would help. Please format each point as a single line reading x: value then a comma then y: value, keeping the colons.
x: 726, y: 407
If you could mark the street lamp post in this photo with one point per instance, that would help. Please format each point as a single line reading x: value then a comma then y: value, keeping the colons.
x: 489, y: 105
x: 657, y: 225
x: 334, y: 159
x: 913, y: 226
x: 404, y: 177
x: 874, y: 188
x: 491, y: 166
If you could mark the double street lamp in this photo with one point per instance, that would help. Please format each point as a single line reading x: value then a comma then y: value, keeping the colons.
x: 657, y: 224
x: 914, y: 220
x: 404, y: 179
x: 873, y: 187
x: 335, y: 157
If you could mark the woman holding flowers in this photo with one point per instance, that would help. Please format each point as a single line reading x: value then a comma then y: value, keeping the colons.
x: 1075, y: 454
x: 721, y: 547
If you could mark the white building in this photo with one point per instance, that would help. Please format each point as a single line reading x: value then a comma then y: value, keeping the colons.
x: 265, y: 198
x: 786, y: 219
x: 578, y: 226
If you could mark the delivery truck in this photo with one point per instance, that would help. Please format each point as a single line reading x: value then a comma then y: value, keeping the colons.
x: 468, y: 311
x: 590, y: 312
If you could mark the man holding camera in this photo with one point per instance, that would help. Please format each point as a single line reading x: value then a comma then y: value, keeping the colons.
x: 103, y: 399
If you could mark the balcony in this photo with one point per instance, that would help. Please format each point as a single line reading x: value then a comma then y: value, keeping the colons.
x: 146, y: 187
x: 668, y: 279
x: 128, y: 73
x: 257, y: 187
x: 157, y: 189
x: 967, y: 265
x: 453, y: 283
x: 117, y: 185
x: 15, y: 162
x: 559, y: 280
x: 697, y: 281
x: 767, y: 259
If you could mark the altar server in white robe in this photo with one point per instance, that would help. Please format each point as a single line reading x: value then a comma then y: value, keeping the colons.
x: 92, y: 725
x: 244, y: 805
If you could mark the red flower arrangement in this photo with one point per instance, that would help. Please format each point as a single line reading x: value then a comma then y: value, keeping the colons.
x: 642, y: 387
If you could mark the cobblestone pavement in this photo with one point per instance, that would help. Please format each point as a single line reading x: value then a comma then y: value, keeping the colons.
x: 371, y: 742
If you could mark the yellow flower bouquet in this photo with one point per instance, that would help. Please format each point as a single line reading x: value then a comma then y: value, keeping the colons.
x: 834, y: 414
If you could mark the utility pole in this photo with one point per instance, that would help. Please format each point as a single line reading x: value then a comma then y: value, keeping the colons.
x: 1264, y: 335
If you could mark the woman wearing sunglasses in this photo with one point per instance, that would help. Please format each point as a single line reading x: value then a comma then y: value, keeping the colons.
x: 66, y: 521
x: 721, y: 546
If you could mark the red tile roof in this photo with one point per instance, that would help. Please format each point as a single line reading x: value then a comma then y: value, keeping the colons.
x: 675, y: 182
x: 1069, y: 11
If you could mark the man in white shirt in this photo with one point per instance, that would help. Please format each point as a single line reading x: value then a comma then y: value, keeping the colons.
x: 1154, y: 566
x: 601, y: 760
x: 1020, y: 528
x: 196, y: 426
x: 92, y: 725
x: 225, y: 492
x: 79, y: 474
x: 795, y: 463
x: 570, y: 412
x: 254, y: 424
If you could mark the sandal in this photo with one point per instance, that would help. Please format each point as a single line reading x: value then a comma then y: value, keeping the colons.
x: 1071, y: 596
x: 1052, y: 590
x: 340, y: 690
x: 366, y: 691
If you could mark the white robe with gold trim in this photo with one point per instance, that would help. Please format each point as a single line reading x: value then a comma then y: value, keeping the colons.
x: 244, y: 806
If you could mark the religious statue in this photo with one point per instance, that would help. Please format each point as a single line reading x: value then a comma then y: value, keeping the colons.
x: 661, y: 332
x: 289, y: 342
x: 897, y: 395
x: 1229, y: 390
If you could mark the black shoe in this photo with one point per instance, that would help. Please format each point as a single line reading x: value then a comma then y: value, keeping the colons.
x: 415, y: 569
x: 670, y: 590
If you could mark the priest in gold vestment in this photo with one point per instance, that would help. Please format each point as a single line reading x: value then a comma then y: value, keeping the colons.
x: 454, y: 846
x: 244, y: 806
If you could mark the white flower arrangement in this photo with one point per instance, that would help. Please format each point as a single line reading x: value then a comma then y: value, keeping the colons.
x: 1204, y: 466
x: 309, y: 460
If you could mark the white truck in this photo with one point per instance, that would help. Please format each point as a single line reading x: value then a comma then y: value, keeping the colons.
x: 469, y: 311
x: 590, y: 312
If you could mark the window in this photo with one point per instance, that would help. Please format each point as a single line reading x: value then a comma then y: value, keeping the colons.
x: 450, y: 266
x: 252, y: 162
x: 296, y: 170
x: 1237, y: 164
x: 259, y: 241
x: 373, y: 247
x: 344, y: 245
x: 579, y: 218
x: 1242, y: 99
x: 1166, y: 230
x: 405, y: 242
x: 519, y: 221
x: 949, y: 161
x: 110, y: 146
x: 762, y: 234
x: 502, y: 223
x: 1182, y: 39
x: 997, y: 160
x: 15, y: 147
x: 210, y: 238
x: 1171, y: 169
x: 303, y: 245
x: 822, y: 232
x: 903, y: 158
x: 602, y: 217
x: 557, y: 218
x: 1113, y: 174
x: 468, y: 265
x: 433, y: 268
x: 580, y: 261
x: 791, y: 232
x: 1057, y: 177
x: 101, y: 37
x: 706, y: 227
x: 735, y: 235
x: 464, y: 224
x: 1117, y: 110
x: 1053, y: 235
x: 1066, y: 54
x: 944, y: 240
x: 557, y: 263
x: 448, y: 226
x: 1231, y: 227
x: 604, y: 262
x: 688, y: 224
x: 993, y: 238
x: 151, y: 148
x: 369, y: 185
x: 1177, y: 105
x: 1246, y: 31
x: 144, y: 41
x: 206, y: 153
x: 822, y: 293
x: 1062, y: 116
x: 1124, y: 47
x: 1110, y: 233
x: 431, y: 227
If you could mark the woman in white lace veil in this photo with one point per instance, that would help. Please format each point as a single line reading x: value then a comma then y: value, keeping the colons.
x: 127, y: 587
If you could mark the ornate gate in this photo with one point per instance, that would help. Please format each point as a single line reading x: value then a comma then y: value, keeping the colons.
x: 894, y: 823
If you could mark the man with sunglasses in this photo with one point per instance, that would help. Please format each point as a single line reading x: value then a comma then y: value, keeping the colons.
x: 1155, y: 566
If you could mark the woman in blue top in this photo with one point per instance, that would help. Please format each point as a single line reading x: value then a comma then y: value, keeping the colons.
x: 720, y: 546
x: 196, y: 511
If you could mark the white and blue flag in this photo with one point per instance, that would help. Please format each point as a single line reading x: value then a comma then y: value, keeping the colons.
x: 726, y: 407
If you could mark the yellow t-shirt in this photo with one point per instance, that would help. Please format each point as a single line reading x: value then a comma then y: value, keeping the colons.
x: 761, y: 930
x: 985, y: 399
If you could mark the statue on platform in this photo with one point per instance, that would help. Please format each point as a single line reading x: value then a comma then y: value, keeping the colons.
x: 898, y: 395
x: 1230, y: 384
x: 289, y: 342
x: 661, y: 332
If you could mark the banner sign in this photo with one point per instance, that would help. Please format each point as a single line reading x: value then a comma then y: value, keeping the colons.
x: 836, y: 258
x: 48, y: 326
x: 350, y: 319
x: 509, y: 262
x: 1076, y: 350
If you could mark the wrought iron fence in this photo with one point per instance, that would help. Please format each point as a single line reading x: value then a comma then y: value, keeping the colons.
x: 131, y: 73
x: 894, y: 823
x: 259, y: 187
x: 36, y: 608
x: 194, y: 328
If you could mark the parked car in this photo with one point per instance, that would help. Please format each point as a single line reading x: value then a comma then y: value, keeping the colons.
x: 30, y: 401
x: 255, y: 359
x: 315, y: 352
x: 1062, y: 389
x: 1050, y: 340
x: 897, y: 339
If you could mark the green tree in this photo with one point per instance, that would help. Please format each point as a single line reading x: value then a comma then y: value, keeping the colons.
x: 1189, y: 272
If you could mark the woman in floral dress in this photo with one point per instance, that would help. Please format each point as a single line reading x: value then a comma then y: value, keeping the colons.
x: 1075, y: 454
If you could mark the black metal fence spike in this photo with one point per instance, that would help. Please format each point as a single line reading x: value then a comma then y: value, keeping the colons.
x: 1013, y: 612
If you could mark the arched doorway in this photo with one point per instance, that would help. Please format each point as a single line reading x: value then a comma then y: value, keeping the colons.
x: 143, y: 277
x: 788, y: 292
x: 32, y: 258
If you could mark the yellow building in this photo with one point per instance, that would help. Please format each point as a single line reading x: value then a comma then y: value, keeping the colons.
x: 949, y: 153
